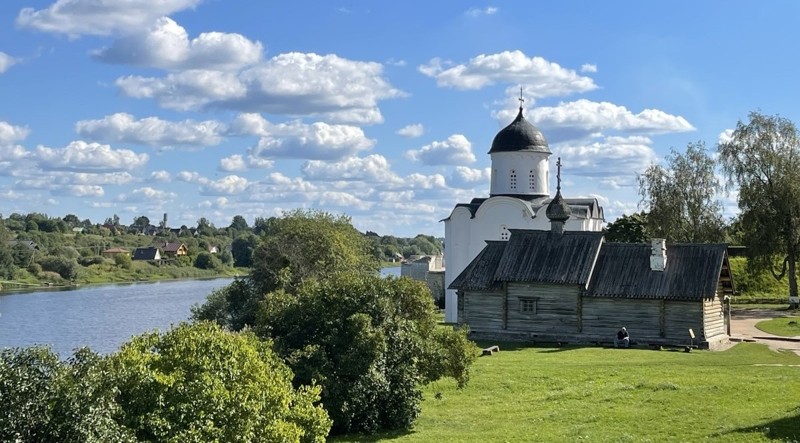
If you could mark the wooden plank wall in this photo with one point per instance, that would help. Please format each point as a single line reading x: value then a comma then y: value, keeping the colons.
x: 714, y: 316
x: 556, y: 308
x: 679, y: 317
x: 604, y: 317
x: 483, y: 311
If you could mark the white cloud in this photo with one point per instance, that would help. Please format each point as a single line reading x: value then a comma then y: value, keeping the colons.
x: 231, y: 184
x: 93, y: 17
x: 477, y: 12
x: 6, y: 61
x: 589, y: 68
x: 166, y: 45
x: 13, y: 152
x: 151, y: 131
x: 411, y: 131
x: 190, y: 177
x: 249, y: 123
x: 79, y: 191
x: 148, y: 194
x: 92, y: 179
x: 161, y: 176
x: 725, y: 136
x: 82, y: 156
x: 455, y: 150
x: 580, y: 118
x: 10, y: 133
x: 328, y: 86
x: 537, y: 76
x: 372, y: 168
x: 612, y: 157
x: 318, y: 141
x: 232, y: 163
x: 468, y: 178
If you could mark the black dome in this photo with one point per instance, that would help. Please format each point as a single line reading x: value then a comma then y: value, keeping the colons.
x: 520, y: 135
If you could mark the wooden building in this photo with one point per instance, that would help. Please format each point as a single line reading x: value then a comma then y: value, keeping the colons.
x: 557, y: 286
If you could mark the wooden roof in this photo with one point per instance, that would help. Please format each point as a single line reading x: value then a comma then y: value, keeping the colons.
x: 148, y: 253
x: 693, y: 272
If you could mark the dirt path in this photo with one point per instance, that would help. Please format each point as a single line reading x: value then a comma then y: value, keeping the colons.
x: 743, y: 328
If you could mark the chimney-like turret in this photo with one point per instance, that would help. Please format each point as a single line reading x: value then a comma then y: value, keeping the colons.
x: 558, y: 211
x: 658, y: 254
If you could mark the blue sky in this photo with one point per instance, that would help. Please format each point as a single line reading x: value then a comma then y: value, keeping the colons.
x: 383, y: 111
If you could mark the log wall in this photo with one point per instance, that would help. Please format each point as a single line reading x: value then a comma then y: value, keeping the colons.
x: 556, y: 308
x: 483, y: 311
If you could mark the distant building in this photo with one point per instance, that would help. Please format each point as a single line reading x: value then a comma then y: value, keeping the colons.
x: 150, y: 253
x: 427, y: 268
x: 174, y: 249
x: 113, y: 252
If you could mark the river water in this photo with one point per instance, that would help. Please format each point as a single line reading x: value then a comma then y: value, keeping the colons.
x: 101, y: 317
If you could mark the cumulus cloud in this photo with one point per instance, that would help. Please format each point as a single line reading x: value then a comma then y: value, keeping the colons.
x: 317, y: 141
x: 468, y: 178
x: 249, y: 123
x: 91, y: 179
x: 93, y: 157
x: 79, y: 191
x: 537, y: 76
x: 231, y: 184
x: 588, y: 67
x: 477, y: 12
x: 92, y: 17
x: 372, y: 168
x: 329, y: 86
x: 151, y: 131
x: 147, y: 194
x: 725, y: 136
x: 190, y: 177
x: 456, y: 150
x: 232, y: 163
x: 6, y: 61
x: 411, y: 131
x: 612, y: 157
x: 166, y: 45
x: 580, y: 118
x: 10, y: 133
x: 160, y: 176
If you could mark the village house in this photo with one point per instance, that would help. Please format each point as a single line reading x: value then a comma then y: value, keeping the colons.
x: 174, y: 249
x: 560, y: 286
x: 150, y: 253
x: 113, y: 252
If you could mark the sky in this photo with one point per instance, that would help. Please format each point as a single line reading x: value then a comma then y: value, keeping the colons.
x: 383, y: 111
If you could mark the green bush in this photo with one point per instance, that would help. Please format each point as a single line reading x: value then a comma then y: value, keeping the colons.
x: 65, y: 267
x: 758, y: 287
x: 123, y: 261
x: 205, y: 260
x: 93, y: 260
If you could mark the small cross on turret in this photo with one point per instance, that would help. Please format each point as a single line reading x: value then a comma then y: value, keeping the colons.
x: 558, y: 174
x: 521, y: 100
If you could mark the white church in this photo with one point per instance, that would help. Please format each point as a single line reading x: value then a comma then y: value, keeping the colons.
x: 518, y: 199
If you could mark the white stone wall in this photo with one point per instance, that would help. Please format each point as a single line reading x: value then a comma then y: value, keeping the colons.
x: 522, y: 163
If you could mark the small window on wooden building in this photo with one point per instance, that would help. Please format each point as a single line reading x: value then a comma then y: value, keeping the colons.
x: 527, y: 305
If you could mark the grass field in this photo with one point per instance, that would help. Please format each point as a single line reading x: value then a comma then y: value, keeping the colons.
x: 745, y: 394
x: 783, y: 326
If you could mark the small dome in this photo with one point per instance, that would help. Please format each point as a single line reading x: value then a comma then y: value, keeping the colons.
x: 520, y: 135
x: 558, y: 209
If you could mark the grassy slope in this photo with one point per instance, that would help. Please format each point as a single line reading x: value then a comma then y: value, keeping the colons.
x: 784, y: 326
x: 747, y: 393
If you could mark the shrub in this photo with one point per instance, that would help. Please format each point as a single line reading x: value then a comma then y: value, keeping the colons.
x: 65, y: 267
x: 123, y: 261
x: 206, y: 260
x: 93, y: 260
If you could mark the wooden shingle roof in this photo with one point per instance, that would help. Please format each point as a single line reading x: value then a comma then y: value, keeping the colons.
x: 479, y: 274
x: 693, y: 272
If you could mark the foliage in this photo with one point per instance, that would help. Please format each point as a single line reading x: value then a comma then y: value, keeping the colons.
x: 91, y: 260
x: 65, y: 267
x: 233, y: 307
x: 200, y: 383
x: 46, y: 400
x: 783, y: 326
x: 628, y: 229
x: 123, y: 261
x: 762, y: 159
x: 682, y: 198
x: 369, y: 341
x: 305, y: 244
x: 205, y: 260
x: 242, y: 250
x: 238, y: 223
x: 7, y: 265
x: 574, y: 394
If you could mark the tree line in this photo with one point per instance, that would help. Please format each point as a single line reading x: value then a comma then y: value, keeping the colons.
x: 760, y: 165
x: 312, y: 342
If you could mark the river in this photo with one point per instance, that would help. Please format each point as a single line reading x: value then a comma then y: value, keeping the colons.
x: 99, y: 316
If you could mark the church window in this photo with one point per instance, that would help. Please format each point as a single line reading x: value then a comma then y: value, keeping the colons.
x: 513, y: 180
x: 531, y: 181
x: 528, y: 305
x: 504, y: 234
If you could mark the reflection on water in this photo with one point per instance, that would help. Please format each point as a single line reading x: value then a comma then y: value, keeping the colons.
x: 101, y: 317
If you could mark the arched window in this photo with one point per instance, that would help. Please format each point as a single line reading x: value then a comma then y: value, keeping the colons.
x: 512, y: 180
x: 531, y: 181
x: 504, y: 234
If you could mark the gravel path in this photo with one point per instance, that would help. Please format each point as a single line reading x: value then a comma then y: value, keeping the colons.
x: 743, y: 328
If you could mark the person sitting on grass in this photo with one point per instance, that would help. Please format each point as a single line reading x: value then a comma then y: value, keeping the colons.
x: 622, y: 340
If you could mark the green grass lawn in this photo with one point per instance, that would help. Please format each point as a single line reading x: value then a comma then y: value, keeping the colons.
x: 783, y: 326
x: 745, y: 394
